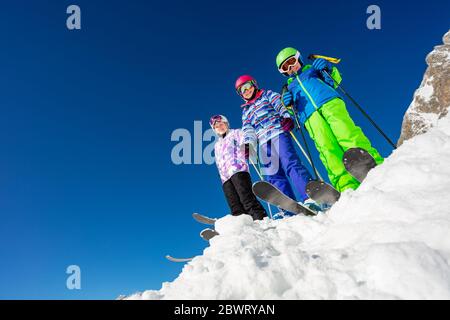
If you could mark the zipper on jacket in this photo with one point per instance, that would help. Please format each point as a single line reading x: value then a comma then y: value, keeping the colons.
x: 307, y: 93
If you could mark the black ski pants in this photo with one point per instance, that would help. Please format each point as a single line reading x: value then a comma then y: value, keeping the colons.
x: 240, y: 197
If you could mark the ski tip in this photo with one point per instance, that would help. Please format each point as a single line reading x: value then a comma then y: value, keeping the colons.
x: 208, y: 234
x: 206, y: 231
x: 259, y: 183
x: 170, y: 258
x: 196, y: 214
x: 204, y: 219
x: 260, y: 186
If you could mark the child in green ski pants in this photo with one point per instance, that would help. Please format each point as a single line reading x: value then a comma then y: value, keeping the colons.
x: 323, y: 113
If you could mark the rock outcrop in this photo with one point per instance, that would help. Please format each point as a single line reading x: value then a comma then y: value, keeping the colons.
x: 432, y: 99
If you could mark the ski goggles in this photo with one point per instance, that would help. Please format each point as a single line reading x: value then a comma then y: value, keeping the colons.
x: 215, y: 119
x: 289, y: 63
x: 246, y: 86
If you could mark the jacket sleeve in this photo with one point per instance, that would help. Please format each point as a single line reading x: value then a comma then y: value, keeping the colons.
x: 248, y: 132
x: 294, y: 89
x: 240, y: 137
x: 335, y: 75
x: 216, y: 155
x: 275, y: 101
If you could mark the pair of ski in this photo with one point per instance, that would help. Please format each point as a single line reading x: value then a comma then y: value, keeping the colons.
x: 206, y: 234
x: 358, y: 162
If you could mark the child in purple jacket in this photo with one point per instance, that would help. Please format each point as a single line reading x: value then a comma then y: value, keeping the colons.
x: 231, y: 160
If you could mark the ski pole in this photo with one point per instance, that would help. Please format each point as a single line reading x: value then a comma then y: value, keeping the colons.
x: 357, y: 105
x: 256, y: 169
x: 302, y: 150
x: 299, y: 145
x: 310, y: 161
x: 308, y: 153
x: 262, y: 179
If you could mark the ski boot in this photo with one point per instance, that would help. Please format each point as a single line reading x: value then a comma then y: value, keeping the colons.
x: 314, y: 206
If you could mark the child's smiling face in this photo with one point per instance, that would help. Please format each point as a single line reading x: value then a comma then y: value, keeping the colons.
x: 220, y: 127
x: 295, y: 68
x: 249, y: 93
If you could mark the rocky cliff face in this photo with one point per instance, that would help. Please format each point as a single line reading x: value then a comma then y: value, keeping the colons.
x: 432, y: 99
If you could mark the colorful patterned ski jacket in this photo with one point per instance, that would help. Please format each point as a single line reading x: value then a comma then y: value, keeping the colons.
x: 230, y: 155
x: 261, y: 117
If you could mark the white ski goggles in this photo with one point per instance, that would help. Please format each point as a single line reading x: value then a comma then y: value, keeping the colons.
x: 289, y: 63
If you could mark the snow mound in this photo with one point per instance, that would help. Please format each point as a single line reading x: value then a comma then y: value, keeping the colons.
x: 387, y: 240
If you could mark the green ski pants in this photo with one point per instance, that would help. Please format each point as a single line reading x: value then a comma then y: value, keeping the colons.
x: 334, y: 132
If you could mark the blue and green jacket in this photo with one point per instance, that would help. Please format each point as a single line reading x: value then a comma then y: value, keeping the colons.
x: 311, y: 90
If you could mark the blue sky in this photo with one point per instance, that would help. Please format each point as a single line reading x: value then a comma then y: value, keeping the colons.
x: 86, y: 176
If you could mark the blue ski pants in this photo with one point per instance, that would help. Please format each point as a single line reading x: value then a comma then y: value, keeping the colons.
x: 280, y: 162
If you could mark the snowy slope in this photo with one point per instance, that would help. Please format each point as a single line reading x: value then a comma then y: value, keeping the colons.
x: 390, y: 239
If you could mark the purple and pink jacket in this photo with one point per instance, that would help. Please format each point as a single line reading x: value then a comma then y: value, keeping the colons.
x: 230, y: 155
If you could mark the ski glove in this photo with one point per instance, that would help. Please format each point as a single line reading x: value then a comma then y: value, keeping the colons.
x: 321, y: 64
x: 287, y: 98
x: 247, y: 151
x: 287, y: 124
